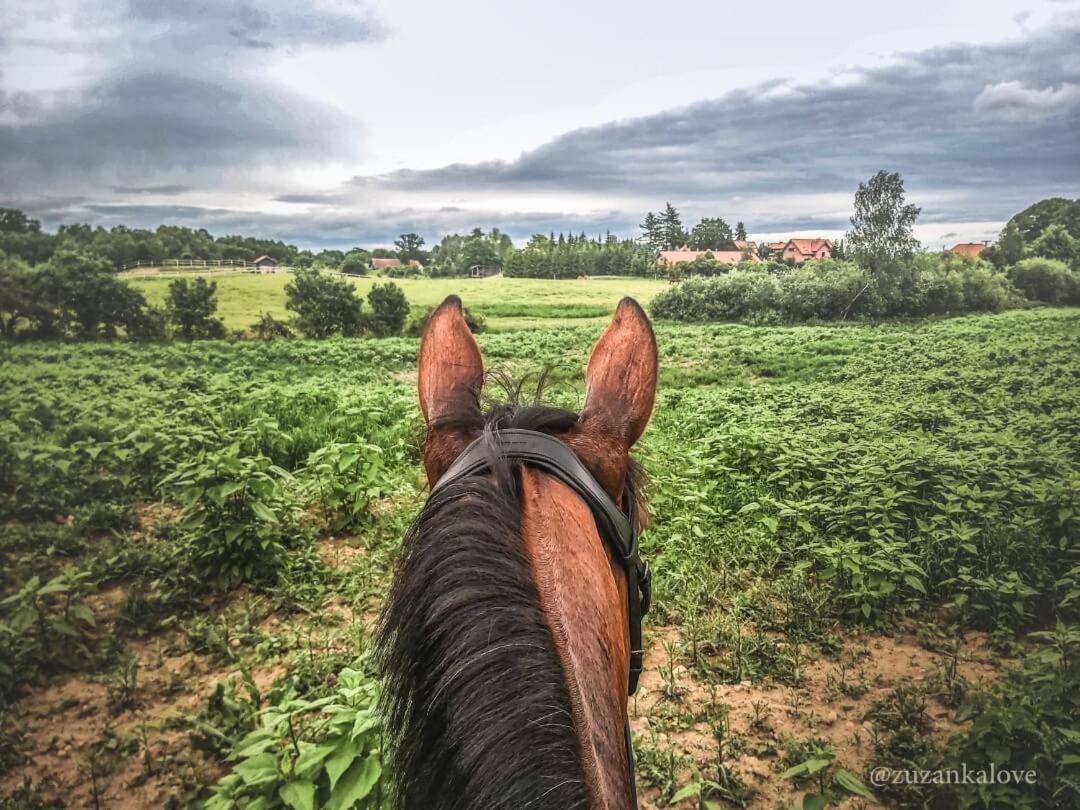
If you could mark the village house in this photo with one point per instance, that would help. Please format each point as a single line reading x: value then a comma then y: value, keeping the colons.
x: 803, y: 250
x: 674, y: 257
x: 972, y: 249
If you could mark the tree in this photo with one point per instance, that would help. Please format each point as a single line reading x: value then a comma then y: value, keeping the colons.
x: 1010, y: 245
x: 712, y: 234
x: 324, y: 305
x: 740, y: 232
x: 651, y: 232
x: 1056, y: 243
x: 12, y: 220
x: 672, y: 233
x: 389, y: 310
x: 410, y: 247
x: 1035, y: 219
x: 191, y: 306
x: 881, y: 237
x: 18, y: 294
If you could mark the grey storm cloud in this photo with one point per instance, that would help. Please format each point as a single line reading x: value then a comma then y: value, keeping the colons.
x: 150, y: 121
x: 175, y: 93
x: 960, y: 118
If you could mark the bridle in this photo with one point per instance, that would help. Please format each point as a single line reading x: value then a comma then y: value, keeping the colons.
x: 617, y: 524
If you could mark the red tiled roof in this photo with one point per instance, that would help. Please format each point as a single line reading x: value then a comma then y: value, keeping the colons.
x: 808, y: 247
x: 379, y: 264
x: 968, y: 248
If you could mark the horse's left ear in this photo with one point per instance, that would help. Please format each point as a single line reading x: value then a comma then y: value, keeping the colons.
x: 621, y: 378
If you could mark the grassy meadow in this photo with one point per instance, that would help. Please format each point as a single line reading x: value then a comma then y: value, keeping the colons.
x: 864, y: 539
x: 505, y: 303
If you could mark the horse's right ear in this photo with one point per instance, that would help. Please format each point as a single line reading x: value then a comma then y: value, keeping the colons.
x: 451, y: 371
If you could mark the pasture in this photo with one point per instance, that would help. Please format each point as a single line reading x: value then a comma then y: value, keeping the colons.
x: 506, y: 303
x: 857, y: 529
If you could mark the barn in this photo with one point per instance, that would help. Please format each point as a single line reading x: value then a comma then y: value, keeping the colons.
x: 265, y: 264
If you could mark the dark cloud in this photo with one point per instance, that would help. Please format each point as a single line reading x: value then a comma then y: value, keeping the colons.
x: 149, y: 122
x: 956, y: 121
x: 163, y: 190
x: 176, y: 90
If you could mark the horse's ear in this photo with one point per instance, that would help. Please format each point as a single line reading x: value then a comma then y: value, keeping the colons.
x: 451, y: 371
x: 621, y: 378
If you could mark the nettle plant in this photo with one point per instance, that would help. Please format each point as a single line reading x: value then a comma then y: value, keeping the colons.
x: 239, y: 514
x: 44, y: 626
x: 305, y: 754
x: 343, y: 478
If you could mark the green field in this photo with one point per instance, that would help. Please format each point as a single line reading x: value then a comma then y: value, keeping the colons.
x: 506, y: 303
x: 865, y: 544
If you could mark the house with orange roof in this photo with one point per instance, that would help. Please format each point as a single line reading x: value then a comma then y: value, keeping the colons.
x: 803, y: 250
x: 972, y: 249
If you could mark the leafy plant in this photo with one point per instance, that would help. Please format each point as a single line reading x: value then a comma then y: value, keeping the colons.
x: 239, y: 514
x: 305, y: 754
x: 45, y: 626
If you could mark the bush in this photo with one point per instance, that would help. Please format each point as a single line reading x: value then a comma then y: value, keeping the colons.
x: 268, y: 327
x: 191, y: 307
x: 985, y: 290
x: 1047, y: 280
x: 828, y: 289
x: 389, y: 309
x: 355, y: 264
x: 239, y: 512
x: 729, y: 297
x: 324, y: 305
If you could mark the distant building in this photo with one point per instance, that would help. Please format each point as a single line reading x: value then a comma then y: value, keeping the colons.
x: 972, y: 249
x: 265, y: 264
x: 484, y: 270
x: 674, y: 257
x: 803, y: 250
x: 384, y: 264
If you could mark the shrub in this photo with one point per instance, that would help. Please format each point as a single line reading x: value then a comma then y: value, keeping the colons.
x: 828, y: 289
x: 43, y: 626
x: 389, y: 309
x: 354, y: 264
x: 985, y: 290
x: 324, y: 305
x: 238, y: 515
x: 191, y: 307
x: 728, y: 297
x: 268, y: 327
x: 1047, y: 280
x: 310, y: 753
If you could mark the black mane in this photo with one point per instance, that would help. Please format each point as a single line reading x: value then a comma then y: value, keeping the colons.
x: 477, y: 707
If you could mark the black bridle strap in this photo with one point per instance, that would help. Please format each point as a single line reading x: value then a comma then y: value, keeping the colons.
x: 618, y: 526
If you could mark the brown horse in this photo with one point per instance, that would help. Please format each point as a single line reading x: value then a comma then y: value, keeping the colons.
x: 504, y: 641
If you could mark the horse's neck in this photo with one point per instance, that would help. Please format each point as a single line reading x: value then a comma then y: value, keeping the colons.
x: 583, y: 599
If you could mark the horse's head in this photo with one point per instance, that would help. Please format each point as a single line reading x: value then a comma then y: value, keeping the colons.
x: 505, y: 638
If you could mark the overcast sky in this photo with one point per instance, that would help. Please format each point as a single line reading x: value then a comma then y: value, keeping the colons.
x: 339, y: 123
